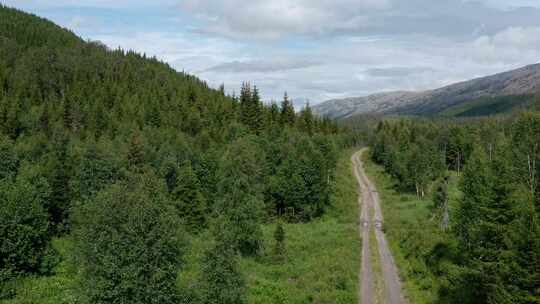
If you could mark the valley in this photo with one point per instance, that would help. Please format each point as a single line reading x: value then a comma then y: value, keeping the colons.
x: 170, y: 161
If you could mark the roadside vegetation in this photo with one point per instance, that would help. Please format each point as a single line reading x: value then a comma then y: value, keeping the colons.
x: 412, y: 232
x: 461, y: 208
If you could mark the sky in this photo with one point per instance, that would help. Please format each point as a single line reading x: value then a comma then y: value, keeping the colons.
x: 314, y: 49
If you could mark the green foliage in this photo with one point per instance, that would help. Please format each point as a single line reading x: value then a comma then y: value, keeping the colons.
x: 322, y: 261
x: 189, y: 199
x: 84, y: 125
x: 8, y: 158
x: 24, y: 229
x: 221, y: 281
x: 287, y: 116
x: 411, y: 153
x: 128, y: 244
x: 240, y: 203
x: 483, y: 260
x: 300, y: 187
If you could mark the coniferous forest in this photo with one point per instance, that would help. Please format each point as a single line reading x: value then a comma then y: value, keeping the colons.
x: 123, y: 180
x: 128, y: 159
x: 482, y: 245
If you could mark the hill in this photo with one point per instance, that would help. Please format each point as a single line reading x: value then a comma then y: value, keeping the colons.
x: 482, y: 96
x: 121, y: 163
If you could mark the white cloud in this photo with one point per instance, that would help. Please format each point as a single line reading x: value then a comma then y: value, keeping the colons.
x: 179, y: 49
x: 88, y: 3
x: 262, y: 66
x: 273, y: 19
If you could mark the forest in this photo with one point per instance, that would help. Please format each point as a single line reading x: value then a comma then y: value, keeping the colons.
x: 130, y: 159
x: 123, y: 180
x: 484, y: 245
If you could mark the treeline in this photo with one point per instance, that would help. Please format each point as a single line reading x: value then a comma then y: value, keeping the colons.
x: 126, y: 157
x: 491, y: 250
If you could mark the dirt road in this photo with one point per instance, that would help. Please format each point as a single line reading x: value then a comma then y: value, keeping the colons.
x: 370, y: 200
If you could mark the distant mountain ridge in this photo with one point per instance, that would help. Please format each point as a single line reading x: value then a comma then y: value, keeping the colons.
x: 521, y: 82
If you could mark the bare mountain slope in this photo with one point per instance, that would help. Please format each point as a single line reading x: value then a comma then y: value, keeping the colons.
x: 520, y: 82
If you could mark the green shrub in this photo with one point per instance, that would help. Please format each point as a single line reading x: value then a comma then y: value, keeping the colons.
x: 24, y: 229
x: 127, y: 244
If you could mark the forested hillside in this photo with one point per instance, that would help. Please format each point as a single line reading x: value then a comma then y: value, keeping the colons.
x: 127, y: 160
x: 483, y: 244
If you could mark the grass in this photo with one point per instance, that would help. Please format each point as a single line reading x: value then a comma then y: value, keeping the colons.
x: 323, y: 256
x: 55, y: 289
x: 412, y: 233
x: 322, y: 259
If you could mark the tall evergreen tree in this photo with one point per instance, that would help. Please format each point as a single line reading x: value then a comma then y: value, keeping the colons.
x: 188, y: 198
x: 287, y: 111
x: 306, y: 120
x: 257, y: 120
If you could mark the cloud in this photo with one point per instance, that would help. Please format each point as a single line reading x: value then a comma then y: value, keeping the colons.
x: 261, y: 66
x: 281, y: 19
x: 397, y: 71
x: 263, y: 19
x: 122, y: 4
x: 180, y: 50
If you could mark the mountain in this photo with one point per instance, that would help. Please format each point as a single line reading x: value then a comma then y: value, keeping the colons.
x: 376, y: 103
x: 481, y: 96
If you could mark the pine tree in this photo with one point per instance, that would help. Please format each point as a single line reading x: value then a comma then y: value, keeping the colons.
x: 256, y: 121
x: 245, y: 104
x: 478, y: 193
x: 188, y: 198
x: 288, y: 116
x: 272, y: 115
x: 306, y: 120
x: 222, y: 89
x: 520, y: 266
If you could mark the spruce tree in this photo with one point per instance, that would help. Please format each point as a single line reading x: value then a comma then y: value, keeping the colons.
x: 245, y: 104
x: 287, y: 111
x: 306, y: 120
x: 272, y: 115
x: 188, y: 198
x: 256, y: 122
x: 478, y: 193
